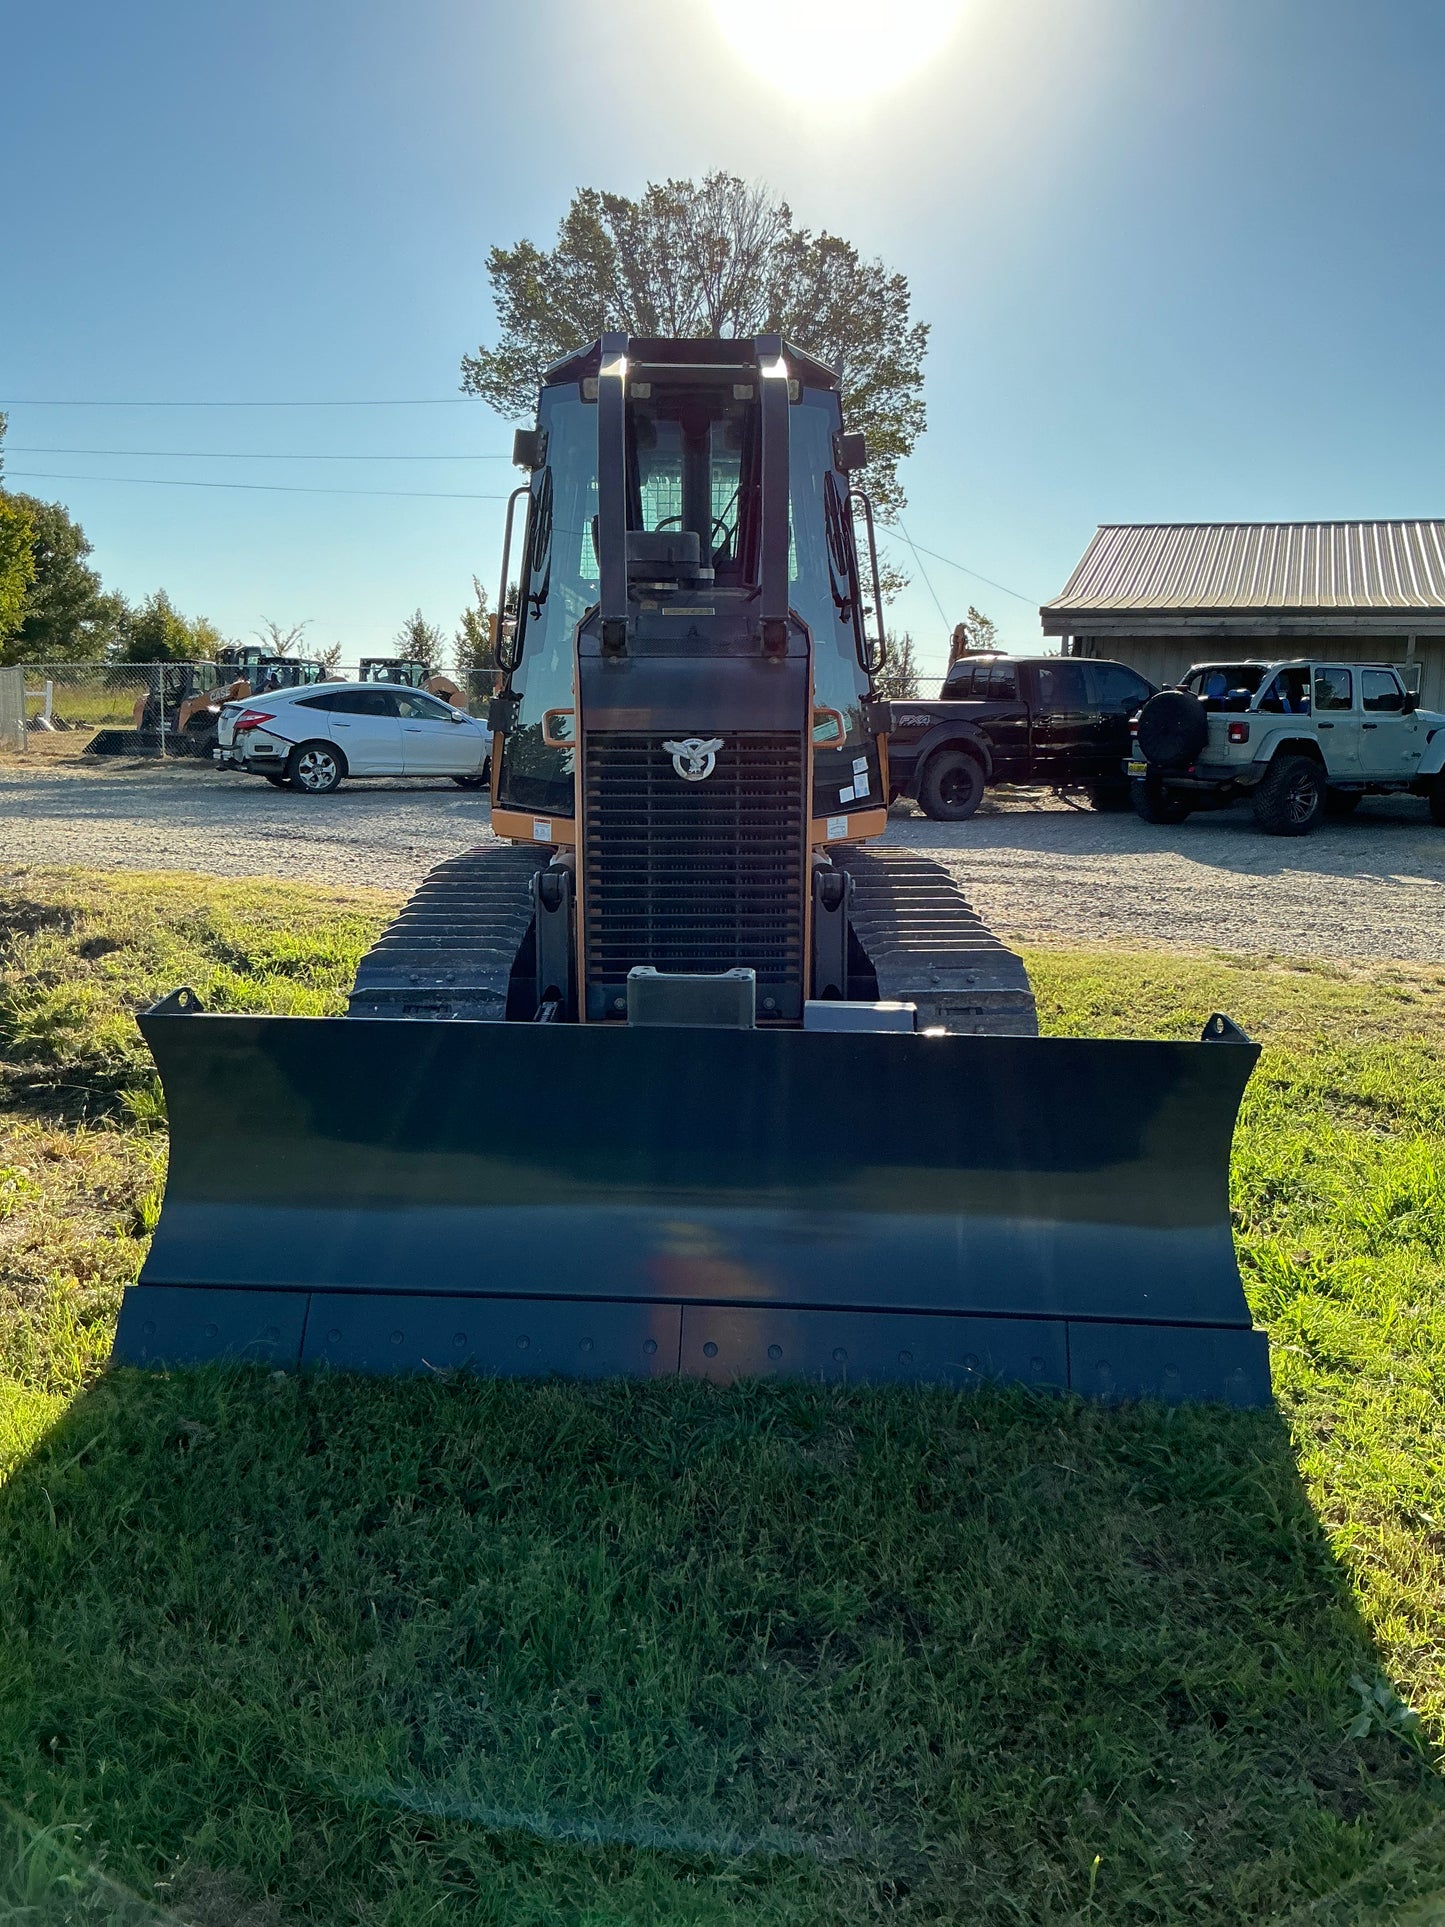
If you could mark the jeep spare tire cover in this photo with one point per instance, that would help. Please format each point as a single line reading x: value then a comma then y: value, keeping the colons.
x: 1173, y: 727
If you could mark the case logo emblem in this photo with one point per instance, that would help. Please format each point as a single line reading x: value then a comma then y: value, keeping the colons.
x: 693, y: 759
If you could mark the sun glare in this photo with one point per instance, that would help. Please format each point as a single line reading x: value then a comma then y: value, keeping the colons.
x: 837, y: 49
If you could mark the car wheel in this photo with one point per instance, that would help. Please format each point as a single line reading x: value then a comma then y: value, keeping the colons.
x: 1290, y: 797
x: 1343, y: 802
x: 1153, y: 803
x: 951, y: 787
x: 1105, y: 797
x: 315, y: 768
x: 1435, y: 797
x: 477, y: 780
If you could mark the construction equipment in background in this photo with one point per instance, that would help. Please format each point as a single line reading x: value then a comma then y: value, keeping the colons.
x: 413, y: 674
x: 689, y: 1079
x: 175, y: 715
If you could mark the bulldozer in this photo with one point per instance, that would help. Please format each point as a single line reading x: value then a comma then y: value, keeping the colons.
x: 682, y: 1073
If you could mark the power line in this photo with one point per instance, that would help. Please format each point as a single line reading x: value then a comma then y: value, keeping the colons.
x: 923, y: 572
x: 391, y: 401
x: 1002, y: 587
x: 270, y: 488
x: 244, y: 455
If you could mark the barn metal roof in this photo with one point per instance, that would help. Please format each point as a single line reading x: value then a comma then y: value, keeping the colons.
x: 1264, y: 566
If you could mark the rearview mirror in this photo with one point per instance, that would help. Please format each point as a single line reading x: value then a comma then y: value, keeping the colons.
x: 828, y: 728
x: 1410, y: 704
x: 849, y: 452
x: 527, y: 448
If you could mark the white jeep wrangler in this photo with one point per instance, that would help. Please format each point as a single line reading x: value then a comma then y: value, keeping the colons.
x: 1300, y: 739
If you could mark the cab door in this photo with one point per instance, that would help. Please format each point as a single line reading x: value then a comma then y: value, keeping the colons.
x: 1337, y: 719
x: 1116, y: 695
x: 1390, y: 739
x: 1063, y: 722
x: 367, y: 730
x: 433, y: 742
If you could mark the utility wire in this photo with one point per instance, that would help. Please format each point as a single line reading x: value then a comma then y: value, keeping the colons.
x: 244, y: 455
x: 923, y: 572
x: 415, y: 401
x: 1002, y: 587
x: 270, y: 488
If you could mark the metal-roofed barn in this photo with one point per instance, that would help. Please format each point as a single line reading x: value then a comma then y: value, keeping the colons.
x: 1162, y: 595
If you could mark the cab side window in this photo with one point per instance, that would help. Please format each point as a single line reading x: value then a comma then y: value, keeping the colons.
x: 1288, y: 694
x: 1334, y: 689
x: 364, y: 702
x: 958, y: 685
x: 1003, y: 682
x: 416, y: 706
x: 1061, y: 685
x: 1380, y: 692
x: 1112, y: 686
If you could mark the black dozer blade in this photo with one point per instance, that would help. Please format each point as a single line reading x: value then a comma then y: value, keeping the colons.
x: 388, y: 1195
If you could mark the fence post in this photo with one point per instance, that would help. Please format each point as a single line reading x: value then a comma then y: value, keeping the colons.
x: 161, y: 704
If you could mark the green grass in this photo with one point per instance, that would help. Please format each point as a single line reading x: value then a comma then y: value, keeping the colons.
x: 276, y: 1651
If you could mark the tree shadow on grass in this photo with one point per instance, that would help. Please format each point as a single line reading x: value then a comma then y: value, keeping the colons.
x: 669, y: 1653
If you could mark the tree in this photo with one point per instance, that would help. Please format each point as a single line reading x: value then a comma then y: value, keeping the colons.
x: 66, y: 616
x: 419, y: 640
x: 715, y: 257
x: 474, y: 648
x: 898, y: 678
x: 280, y: 641
x: 17, y: 564
x: 330, y: 660
x: 156, y: 631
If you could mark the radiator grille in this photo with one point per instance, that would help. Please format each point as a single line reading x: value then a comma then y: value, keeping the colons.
x: 695, y: 876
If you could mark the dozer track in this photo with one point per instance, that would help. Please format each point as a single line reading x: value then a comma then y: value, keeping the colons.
x: 928, y: 947
x: 450, y: 952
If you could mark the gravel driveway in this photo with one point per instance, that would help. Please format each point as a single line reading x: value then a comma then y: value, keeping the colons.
x: 1370, y: 887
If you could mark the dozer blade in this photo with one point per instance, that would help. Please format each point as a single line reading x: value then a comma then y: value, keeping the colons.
x: 537, y: 1198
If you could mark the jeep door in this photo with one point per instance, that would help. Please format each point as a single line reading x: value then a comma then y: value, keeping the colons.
x: 1336, y: 719
x: 1063, y: 723
x: 1390, y: 739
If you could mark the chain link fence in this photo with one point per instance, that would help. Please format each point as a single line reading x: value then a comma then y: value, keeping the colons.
x: 155, y: 709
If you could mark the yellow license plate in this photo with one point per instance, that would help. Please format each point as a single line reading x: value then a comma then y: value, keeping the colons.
x: 1138, y: 769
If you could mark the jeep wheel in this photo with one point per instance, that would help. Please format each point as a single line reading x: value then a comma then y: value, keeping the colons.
x: 1290, y: 798
x: 1436, y: 799
x: 1154, y: 804
x: 951, y: 787
x: 1106, y: 797
x: 1343, y: 802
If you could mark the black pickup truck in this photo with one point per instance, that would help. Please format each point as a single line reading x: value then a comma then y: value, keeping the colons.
x: 1063, y: 722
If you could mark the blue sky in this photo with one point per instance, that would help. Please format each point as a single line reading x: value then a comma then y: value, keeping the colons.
x: 1182, y: 261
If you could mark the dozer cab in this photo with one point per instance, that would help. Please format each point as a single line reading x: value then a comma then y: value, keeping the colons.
x: 689, y: 1078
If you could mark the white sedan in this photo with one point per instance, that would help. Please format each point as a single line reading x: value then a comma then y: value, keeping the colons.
x: 312, y: 737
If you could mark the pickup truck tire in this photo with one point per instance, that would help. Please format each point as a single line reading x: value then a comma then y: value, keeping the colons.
x: 951, y: 786
x: 1436, y: 799
x: 1153, y: 803
x: 1172, y: 729
x: 1106, y: 797
x: 1290, y: 797
x: 1343, y: 802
